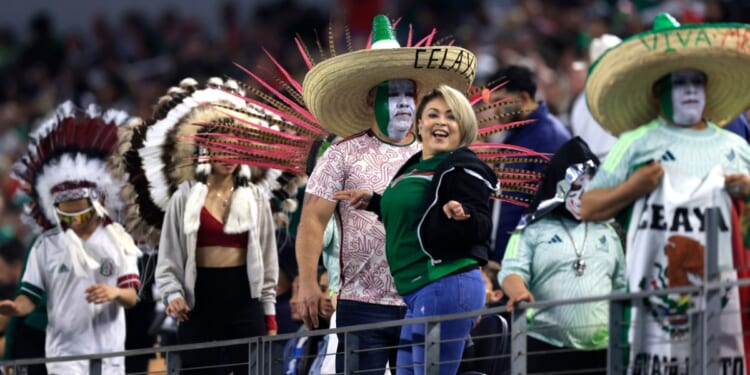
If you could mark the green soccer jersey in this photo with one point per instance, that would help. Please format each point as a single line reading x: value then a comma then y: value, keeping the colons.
x: 402, y: 207
x: 694, y: 152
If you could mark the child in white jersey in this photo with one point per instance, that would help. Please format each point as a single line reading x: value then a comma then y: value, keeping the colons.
x: 83, y: 261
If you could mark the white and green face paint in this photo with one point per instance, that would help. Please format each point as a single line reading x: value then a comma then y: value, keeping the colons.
x: 683, y: 97
x: 394, y: 108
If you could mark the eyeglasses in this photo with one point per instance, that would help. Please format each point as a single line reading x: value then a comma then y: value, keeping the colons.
x: 69, y: 218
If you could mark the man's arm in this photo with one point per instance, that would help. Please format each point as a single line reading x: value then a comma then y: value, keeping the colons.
x: 21, y: 306
x: 316, y: 212
x: 604, y: 204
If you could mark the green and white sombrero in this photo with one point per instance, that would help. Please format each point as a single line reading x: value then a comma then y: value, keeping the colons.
x: 336, y: 89
x: 619, y: 85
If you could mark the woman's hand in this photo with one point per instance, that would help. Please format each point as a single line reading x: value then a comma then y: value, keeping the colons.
x: 454, y: 210
x: 357, y: 198
x: 178, y: 309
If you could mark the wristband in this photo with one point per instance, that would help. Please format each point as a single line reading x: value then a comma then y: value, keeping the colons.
x: 271, y: 324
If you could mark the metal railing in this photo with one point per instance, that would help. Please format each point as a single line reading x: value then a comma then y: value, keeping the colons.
x: 703, y: 332
x: 703, y: 336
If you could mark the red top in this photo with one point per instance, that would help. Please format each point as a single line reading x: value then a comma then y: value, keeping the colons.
x: 211, y: 233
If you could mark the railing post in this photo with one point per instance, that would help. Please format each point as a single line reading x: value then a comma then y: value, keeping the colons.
x: 432, y: 348
x: 254, y: 359
x: 95, y: 366
x: 518, y: 355
x: 173, y: 363
x: 707, y: 323
x: 615, y: 356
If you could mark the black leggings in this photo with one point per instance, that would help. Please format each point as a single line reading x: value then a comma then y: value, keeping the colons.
x: 223, y: 310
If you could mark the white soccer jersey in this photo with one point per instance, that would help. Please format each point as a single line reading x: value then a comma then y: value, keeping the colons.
x: 75, y: 326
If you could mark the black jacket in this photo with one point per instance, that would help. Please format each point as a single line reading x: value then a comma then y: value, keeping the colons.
x: 466, y: 179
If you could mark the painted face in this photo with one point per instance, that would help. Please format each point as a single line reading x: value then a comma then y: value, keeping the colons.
x: 394, y: 108
x: 684, y: 97
x: 438, y: 128
x: 573, y: 198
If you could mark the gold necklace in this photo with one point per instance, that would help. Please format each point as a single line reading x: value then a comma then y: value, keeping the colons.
x: 579, y: 265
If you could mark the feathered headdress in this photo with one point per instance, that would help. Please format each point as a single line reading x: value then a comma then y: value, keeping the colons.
x: 302, y: 131
x: 192, y: 126
x: 67, y: 160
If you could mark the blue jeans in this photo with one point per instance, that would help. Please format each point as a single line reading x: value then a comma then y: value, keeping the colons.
x: 456, y: 293
x: 350, y: 313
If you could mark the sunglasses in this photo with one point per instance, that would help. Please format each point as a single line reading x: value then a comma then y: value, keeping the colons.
x: 69, y: 218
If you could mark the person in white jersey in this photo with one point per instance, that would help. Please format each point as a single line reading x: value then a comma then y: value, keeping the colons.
x: 555, y: 255
x: 83, y: 261
x: 368, y: 97
x: 666, y: 92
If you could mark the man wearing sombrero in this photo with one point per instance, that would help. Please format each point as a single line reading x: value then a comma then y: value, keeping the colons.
x: 666, y: 92
x: 367, y: 96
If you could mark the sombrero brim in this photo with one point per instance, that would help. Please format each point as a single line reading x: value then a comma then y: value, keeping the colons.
x: 619, y: 86
x: 335, y: 90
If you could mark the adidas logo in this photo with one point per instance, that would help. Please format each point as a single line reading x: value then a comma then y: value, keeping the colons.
x: 63, y: 268
x: 668, y: 156
x: 555, y: 239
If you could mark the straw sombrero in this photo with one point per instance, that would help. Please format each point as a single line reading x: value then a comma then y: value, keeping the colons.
x: 335, y: 90
x: 619, y: 85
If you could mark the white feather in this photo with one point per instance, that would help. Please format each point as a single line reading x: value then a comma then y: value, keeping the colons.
x: 77, y: 168
x: 243, y: 211
x: 80, y: 259
x: 122, y: 240
x: 193, y: 205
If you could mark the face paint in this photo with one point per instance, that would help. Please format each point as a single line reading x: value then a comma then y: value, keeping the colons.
x: 683, y: 97
x: 394, y: 108
x: 573, y: 198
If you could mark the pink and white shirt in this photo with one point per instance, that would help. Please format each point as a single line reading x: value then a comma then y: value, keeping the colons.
x: 361, y: 161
